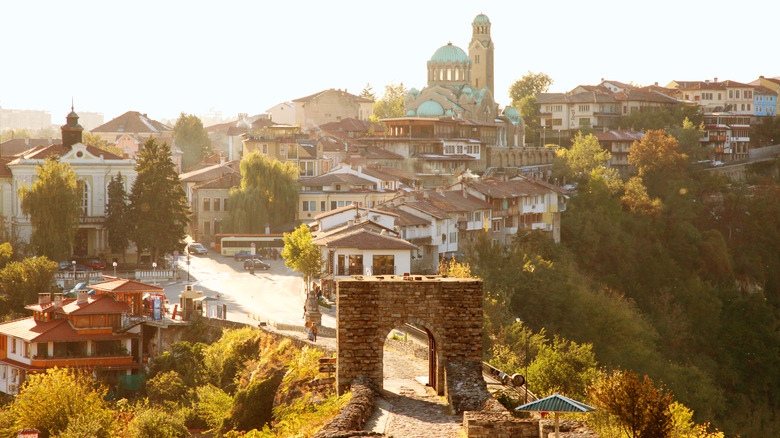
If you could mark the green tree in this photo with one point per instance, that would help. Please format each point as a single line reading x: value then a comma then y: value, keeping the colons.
x: 166, y: 386
x: 662, y: 118
x: 117, y: 221
x: 368, y: 92
x: 268, y: 194
x: 392, y: 102
x: 97, y: 141
x: 528, y: 85
x: 23, y: 281
x: 191, y: 137
x: 156, y: 422
x: 640, y: 408
x: 53, y: 206
x: 50, y: 401
x: 563, y: 367
x: 658, y: 159
x: 301, y: 254
x: 158, y: 205
x: 15, y: 133
x: 584, y: 156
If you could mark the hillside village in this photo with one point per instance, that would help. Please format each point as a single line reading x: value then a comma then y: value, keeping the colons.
x: 450, y: 178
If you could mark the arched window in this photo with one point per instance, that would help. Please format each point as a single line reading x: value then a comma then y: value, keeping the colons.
x: 82, y: 189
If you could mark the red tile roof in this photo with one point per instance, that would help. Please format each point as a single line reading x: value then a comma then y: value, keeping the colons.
x: 31, y: 330
x: 133, y: 121
x: 96, y: 304
x: 124, y: 285
x: 361, y: 238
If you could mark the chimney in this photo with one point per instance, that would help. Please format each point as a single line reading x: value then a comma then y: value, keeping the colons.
x: 57, y: 301
x: 716, y: 79
x: 360, y: 169
x: 82, y: 296
x: 426, y: 195
x: 44, y: 298
x: 463, y: 190
x: 350, y: 222
x: 656, y: 84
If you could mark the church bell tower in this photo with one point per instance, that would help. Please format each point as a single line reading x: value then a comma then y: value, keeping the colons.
x: 481, y: 54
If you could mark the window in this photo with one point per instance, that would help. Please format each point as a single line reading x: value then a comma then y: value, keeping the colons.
x: 477, y: 216
x: 216, y: 204
x: 585, y: 121
x: 3, y: 372
x: 206, y: 204
x: 476, y: 59
x: 384, y: 265
x: 13, y: 345
x: 719, y: 96
x: 83, y: 189
x: 224, y: 204
x: 731, y: 94
x: 292, y: 152
x: 322, y: 205
x: 309, y: 205
x: 584, y: 108
x: 454, y: 237
x: 355, y: 264
x: 496, y: 226
x: 206, y: 227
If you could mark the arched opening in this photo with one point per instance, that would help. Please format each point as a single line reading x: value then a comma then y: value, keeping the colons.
x: 411, y: 359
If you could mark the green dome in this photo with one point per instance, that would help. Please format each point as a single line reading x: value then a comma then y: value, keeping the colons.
x: 481, y: 19
x: 450, y: 53
x: 410, y: 113
x: 430, y: 108
x: 512, y: 114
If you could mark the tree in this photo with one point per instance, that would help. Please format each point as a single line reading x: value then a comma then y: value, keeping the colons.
x: 392, y: 103
x: 117, y: 221
x: 658, y: 159
x: 15, y: 133
x: 158, y: 205
x: 268, y: 194
x: 301, y: 254
x: 585, y: 156
x: 191, y: 137
x: 53, y: 206
x: 641, y: 409
x: 23, y: 281
x: 97, y: 141
x: 528, y: 85
x: 50, y: 401
x: 368, y: 92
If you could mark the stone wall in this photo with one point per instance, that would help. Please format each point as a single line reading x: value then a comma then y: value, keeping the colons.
x: 352, y: 417
x: 498, y: 425
x: 450, y: 309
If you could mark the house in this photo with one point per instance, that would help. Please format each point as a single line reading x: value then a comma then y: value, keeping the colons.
x: 520, y: 203
x: 764, y: 101
x: 344, y: 186
x: 329, y: 106
x: 728, y: 134
x: 94, y: 169
x: 618, y: 143
x: 134, y: 123
x: 100, y: 333
x: 285, y: 143
x: 208, y: 190
x: 771, y: 83
x: 282, y: 113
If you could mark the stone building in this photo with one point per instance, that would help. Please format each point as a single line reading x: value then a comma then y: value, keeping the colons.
x: 330, y: 106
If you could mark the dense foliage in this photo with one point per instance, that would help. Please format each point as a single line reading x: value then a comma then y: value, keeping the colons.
x: 391, y: 104
x: 191, y: 137
x: 268, y: 194
x: 674, y: 274
x: 158, y: 205
x: 301, y: 254
x: 244, y: 384
x: 117, y: 225
x: 53, y: 206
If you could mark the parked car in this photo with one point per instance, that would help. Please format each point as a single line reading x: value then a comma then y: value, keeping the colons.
x: 94, y: 264
x: 68, y: 266
x: 245, y: 255
x: 257, y: 263
x: 197, y: 249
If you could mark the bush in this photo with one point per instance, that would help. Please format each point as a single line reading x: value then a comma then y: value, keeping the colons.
x: 166, y: 386
x: 150, y: 422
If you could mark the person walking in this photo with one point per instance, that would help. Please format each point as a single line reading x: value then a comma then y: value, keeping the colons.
x: 314, y: 332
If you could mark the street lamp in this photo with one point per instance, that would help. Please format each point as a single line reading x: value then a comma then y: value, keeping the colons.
x: 74, y: 272
x: 154, y: 267
x: 115, y: 264
x: 525, y: 377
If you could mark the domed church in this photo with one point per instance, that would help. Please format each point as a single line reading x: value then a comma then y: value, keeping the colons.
x: 459, y: 85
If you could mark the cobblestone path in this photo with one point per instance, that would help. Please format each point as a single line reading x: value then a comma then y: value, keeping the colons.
x: 409, y: 408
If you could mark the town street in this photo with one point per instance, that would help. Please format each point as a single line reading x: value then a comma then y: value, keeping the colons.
x: 275, y: 295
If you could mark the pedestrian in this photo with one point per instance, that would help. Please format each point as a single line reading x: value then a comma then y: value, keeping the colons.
x: 314, y: 331
x: 304, y: 312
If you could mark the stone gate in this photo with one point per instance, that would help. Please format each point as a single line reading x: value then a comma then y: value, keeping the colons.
x: 369, y: 307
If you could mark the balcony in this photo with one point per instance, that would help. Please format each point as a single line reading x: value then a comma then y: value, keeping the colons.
x: 91, y: 220
x: 82, y: 361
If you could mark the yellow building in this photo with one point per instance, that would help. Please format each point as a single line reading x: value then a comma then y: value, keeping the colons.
x: 286, y: 144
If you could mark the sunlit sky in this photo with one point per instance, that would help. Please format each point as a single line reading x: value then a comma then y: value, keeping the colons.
x: 166, y: 57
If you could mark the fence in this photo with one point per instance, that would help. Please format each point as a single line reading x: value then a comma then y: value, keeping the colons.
x: 155, y: 275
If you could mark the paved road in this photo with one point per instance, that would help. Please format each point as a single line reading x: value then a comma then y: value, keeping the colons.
x: 275, y: 295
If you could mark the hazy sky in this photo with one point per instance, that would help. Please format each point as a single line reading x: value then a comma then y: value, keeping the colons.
x: 164, y: 57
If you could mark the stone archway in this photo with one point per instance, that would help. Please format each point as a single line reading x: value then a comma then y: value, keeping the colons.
x: 369, y: 307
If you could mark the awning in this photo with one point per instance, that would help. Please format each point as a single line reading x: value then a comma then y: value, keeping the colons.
x: 556, y: 403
